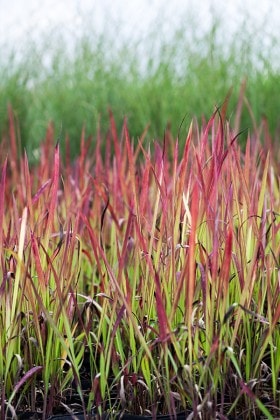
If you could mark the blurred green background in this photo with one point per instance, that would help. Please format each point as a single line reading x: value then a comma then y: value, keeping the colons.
x: 151, y: 80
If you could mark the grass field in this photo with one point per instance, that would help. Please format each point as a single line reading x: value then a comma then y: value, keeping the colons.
x: 140, y: 268
x: 139, y: 281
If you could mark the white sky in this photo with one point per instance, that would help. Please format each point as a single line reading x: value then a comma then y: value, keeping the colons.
x: 21, y: 20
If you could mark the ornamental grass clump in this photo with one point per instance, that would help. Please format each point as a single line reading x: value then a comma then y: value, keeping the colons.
x: 140, y: 279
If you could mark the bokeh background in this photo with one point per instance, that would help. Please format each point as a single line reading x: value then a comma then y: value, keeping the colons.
x: 154, y: 62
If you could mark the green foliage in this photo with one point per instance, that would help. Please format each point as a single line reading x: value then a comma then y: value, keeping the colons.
x: 151, y: 82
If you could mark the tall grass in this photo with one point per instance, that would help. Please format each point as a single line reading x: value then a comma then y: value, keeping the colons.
x: 140, y: 280
x: 149, y: 81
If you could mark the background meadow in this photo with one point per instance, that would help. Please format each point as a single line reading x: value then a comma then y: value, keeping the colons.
x: 71, y: 75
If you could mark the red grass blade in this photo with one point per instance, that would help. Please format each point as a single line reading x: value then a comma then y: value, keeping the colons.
x: 225, y: 269
x: 2, y: 200
x: 53, y: 197
x: 164, y: 329
x: 28, y: 375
